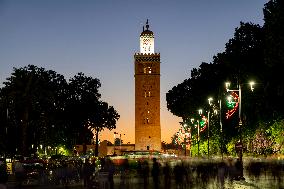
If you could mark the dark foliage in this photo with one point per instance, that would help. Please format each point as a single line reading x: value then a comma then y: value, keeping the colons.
x: 254, y: 53
x: 39, y: 107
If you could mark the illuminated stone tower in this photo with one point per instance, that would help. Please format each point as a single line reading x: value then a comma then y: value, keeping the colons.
x: 147, y: 94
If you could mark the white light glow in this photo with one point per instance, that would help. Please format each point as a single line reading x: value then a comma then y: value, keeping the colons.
x: 227, y: 84
x: 209, y: 100
x: 251, y: 85
x: 147, y: 44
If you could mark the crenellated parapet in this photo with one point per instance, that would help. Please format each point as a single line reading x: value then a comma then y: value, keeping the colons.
x: 144, y: 57
x: 145, y: 54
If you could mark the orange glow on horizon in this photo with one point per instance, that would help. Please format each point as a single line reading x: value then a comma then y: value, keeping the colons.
x: 125, y: 125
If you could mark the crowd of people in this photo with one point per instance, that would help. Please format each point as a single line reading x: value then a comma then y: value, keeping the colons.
x: 149, y: 173
x: 198, y: 173
x: 177, y: 174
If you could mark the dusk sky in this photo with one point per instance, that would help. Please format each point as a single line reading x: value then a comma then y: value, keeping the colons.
x: 100, y: 37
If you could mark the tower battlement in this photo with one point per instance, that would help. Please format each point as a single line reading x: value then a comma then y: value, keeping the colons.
x: 140, y: 57
x: 146, y: 54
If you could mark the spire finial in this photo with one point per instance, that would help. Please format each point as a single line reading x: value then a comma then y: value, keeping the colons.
x: 143, y: 28
x: 147, y: 25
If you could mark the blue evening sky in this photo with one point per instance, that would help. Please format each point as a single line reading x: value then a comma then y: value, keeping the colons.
x: 100, y: 37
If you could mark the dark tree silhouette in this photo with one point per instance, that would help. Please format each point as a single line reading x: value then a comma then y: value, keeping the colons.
x: 274, y: 55
x: 38, y: 106
x: 86, y: 111
x: 242, y: 60
x: 29, y: 96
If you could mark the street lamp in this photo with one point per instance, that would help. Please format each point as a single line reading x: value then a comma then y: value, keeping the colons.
x: 120, y: 140
x: 184, y: 140
x: 221, y: 126
x: 240, y: 145
x: 251, y: 85
x: 208, y: 135
x: 184, y: 131
x: 191, y: 130
x: 120, y: 143
x: 114, y: 142
x: 198, y: 131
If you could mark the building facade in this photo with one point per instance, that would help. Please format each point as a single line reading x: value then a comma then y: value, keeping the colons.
x: 147, y: 94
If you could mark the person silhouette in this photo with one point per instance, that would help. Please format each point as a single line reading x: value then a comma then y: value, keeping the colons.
x: 221, y: 174
x: 156, y: 173
x: 167, y: 176
x: 3, y: 175
x: 110, y: 169
x: 178, y: 173
x: 124, y: 180
x: 19, y: 172
x: 145, y: 173
x: 87, y: 172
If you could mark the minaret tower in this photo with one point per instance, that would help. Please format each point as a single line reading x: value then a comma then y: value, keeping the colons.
x: 147, y: 94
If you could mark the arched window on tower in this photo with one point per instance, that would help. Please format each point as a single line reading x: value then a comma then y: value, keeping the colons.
x: 146, y: 116
x: 147, y: 70
x: 146, y: 120
x: 147, y: 94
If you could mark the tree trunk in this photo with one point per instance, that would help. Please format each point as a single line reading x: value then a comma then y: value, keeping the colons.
x: 24, y: 132
x: 84, y: 148
x: 97, y: 144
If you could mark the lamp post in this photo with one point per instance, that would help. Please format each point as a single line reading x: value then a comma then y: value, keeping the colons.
x: 198, y: 132
x: 184, y: 140
x: 114, y: 142
x: 198, y: 137
x: 192, y: 121
x: 208, y: 134
x: 120, y: 141
x: 240, y: 145
x: 186, y: 133
x: 221, y: 126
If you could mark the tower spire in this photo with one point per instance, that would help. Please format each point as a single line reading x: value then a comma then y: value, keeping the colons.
x: 147, y: 25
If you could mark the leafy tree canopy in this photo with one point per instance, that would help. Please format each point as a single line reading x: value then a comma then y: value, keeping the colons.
x: 254, y: 53
x: 49, y: 111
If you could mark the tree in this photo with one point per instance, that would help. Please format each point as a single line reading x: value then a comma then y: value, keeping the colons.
x: 82, y: 101
x: 39, y: 108
x: 105, y: 118
x: 88, y: 113
x: 274, y: 55
x: 242, y: 59
x: 28, y: 96
x: 188, y: 96
x: 176, y: 142
x: 118, y: 141
x: 275, y: 133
